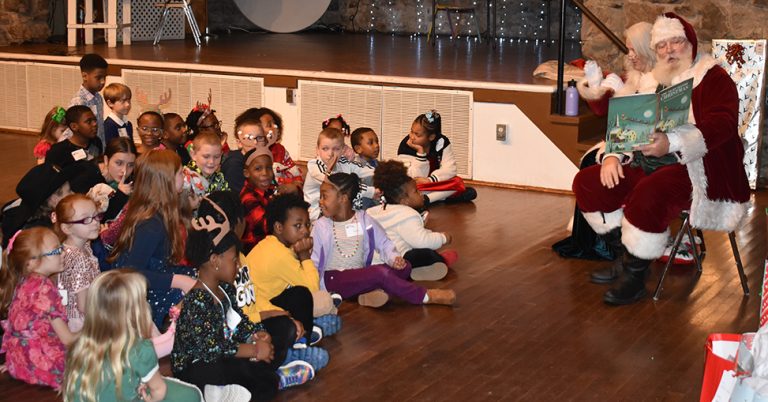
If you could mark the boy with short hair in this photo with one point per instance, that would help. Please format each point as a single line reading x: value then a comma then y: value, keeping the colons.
x: 118, y: 98
x: 93, y: 69
x: 206, y: 160
x: 82, y: 145
x: 174, y: 136
x: 330, y: 144
x: 365, y: 143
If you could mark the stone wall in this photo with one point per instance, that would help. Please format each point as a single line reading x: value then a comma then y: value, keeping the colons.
x: 23, y: 21
x: 712, y: 19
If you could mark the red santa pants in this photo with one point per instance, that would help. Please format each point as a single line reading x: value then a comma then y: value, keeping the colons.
x: 649, y: 201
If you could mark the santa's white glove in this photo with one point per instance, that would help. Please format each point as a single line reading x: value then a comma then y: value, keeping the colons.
x: 593, y: 73
x: 613, y: 82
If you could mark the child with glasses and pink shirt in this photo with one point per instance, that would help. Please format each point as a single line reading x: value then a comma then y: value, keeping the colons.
x: 77, y: 221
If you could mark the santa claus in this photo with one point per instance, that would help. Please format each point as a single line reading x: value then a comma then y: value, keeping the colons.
x: 632, y: 198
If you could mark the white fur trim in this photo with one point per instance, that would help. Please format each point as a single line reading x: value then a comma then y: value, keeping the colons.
x: 604, y: 222
x: 666, y: 28
x: 689, y: 140
x: 588, y: 92
x: 701, y: 65
x: 725, y: 216
x: 641, y: 244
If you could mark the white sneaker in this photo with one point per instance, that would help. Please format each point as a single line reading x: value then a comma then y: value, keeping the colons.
x: 226, y: 393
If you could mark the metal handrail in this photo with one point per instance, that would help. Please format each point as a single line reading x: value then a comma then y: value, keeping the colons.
x: 559, y: 104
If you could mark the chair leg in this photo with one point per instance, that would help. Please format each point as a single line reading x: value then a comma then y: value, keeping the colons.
x: 477, y: 27
x: 703, y: 247
x: 192, y: 23
x: 678, y: 239
x: 450, y: 23
x: 696, y: 255
x: 431, y: 32
x: 739, y: 267
x: 161, y: 25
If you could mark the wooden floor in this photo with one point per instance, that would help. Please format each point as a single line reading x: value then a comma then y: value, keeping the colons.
x: 528, y: 325
x: 376, y: 54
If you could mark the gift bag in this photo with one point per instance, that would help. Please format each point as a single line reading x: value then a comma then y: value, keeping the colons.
x: 721, y: 357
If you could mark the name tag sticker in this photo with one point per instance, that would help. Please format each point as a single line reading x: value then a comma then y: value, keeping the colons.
x: 122, y: 131
x: 79, y: 155
x: 64, y: 297
x: 353, y: 229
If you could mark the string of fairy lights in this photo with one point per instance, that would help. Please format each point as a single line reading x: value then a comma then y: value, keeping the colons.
x: 521, y: 20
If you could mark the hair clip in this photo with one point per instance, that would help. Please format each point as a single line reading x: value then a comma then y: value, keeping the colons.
x: 204, y: 107
x: 10, y: 242
x: 209, y: 224
x: 430, y: 117
x: 59, y: 115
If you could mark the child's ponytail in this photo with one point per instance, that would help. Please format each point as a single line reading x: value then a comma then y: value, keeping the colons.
x: 431, y: 121
x: 390, y: 177
x: 347, y: 183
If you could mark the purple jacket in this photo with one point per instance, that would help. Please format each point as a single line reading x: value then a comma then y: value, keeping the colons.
x: 375, y: 239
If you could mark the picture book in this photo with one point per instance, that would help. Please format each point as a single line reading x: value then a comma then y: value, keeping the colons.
x: 632, y: 119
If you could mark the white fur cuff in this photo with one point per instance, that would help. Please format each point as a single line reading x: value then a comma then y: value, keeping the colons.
x: 641, y: 244
x: 604, y: 222
x: 688, y: 140
x: 590, y: 93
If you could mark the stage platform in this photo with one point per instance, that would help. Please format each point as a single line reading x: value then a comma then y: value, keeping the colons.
x: 379, y: 81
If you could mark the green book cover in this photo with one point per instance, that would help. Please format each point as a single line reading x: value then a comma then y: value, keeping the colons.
x: 632, y: 119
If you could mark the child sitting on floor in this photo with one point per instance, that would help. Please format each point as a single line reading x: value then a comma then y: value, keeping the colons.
x: 249, y: 135
x: 216, y: 343
x: 175, y: 135
x: 206, y: 160
x: 405, y: 226
x: 365, y: 142
x: 77, y: 223
x: 340, y: 124
x: 281, y: 262
x: 330, y: 143
x: 51, y: 132
x: 82, y: 145
x: 113, y: 358
x: 344, y: 244
x: 150, y: 126
x: 428, y: 155
x: 258, y: 190
x: 35, y: 334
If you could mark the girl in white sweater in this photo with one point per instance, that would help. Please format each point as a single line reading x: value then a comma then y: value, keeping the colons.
x: 404, y: 225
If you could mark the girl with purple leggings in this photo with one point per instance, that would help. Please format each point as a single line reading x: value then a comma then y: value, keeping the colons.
x: 344, y: 244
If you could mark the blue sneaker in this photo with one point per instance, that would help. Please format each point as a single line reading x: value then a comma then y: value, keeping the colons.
x: 317, y: 357
x: 329, y: 323
x: 295, y: 373
x: 316, y: 335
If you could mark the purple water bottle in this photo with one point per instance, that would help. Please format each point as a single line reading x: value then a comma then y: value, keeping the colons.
x: 571, y: 99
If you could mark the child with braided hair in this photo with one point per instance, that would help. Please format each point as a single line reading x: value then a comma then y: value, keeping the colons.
x: 405, y: 226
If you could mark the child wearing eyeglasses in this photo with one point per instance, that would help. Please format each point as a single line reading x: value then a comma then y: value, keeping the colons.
x: 150, y: 127
x: 77, y: 222
x: 249, y: 134
x: 36, y: 334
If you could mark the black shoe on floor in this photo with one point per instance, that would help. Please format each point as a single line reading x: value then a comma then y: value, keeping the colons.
x: 631, y: 289
x: 468, y: 195
x: 607, y: 275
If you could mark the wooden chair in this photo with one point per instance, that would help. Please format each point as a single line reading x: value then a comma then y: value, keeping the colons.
x: 110, y: 26
x: 456, y: 11
x: 185, y: 7
x: 699, y: 251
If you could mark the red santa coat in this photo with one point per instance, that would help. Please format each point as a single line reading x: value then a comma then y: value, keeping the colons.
x: 711, y: 148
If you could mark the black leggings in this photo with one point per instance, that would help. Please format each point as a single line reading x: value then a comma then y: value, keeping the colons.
x: 283, y: 333
x: 259, y: 378
x: 421, y: 257
x: 297, y: 301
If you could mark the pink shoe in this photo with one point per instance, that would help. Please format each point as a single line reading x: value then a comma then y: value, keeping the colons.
x: 450, y: 257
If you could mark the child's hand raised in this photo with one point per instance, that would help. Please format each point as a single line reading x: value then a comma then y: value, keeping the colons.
x: 399, y: 263
x: 330, y: 164
x: 262, y: 336
x: 125, y: 188
x: 303, y: 248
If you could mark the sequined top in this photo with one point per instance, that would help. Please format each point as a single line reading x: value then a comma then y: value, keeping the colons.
x: 202, y: 333
x: 80, y: 269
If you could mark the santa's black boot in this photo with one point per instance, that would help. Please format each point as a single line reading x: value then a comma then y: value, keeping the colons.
x: 610, y: 274
x: 631, y: 285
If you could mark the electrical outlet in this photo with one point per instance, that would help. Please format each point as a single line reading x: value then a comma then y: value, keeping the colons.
x: 290, y: 95
x: 501, y: 132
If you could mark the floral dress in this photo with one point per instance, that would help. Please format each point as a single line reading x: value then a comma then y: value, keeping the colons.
x: 33, y: 351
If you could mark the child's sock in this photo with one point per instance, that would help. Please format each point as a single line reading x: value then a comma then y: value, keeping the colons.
x: 226, y: 393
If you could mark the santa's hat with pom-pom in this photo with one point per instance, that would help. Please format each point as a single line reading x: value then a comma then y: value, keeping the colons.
x: 671, y: 25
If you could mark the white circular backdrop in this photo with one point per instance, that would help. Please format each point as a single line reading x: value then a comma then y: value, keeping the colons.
x: 283, y: 16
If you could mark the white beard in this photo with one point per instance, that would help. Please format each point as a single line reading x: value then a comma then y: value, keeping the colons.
x: 665, y: 72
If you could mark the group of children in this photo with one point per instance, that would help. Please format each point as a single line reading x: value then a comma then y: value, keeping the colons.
x: 230, y: 261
